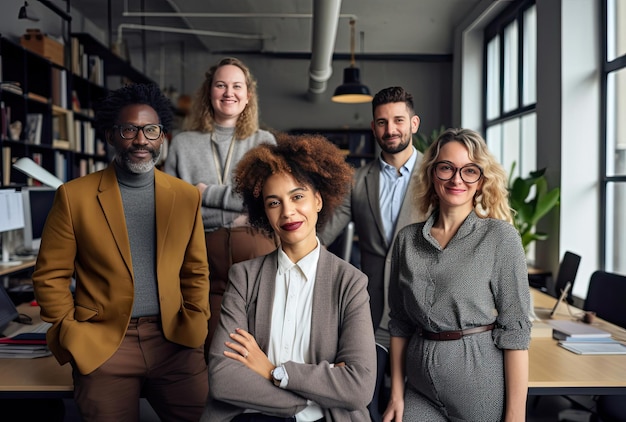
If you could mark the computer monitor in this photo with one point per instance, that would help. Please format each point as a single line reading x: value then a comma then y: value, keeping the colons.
x: 37, y: 201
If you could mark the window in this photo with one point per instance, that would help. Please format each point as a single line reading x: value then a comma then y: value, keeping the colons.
x: 613, y: 189
x: 510, y: 81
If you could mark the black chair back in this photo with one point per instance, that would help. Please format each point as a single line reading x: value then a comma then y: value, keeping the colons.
x: 606, y: 297
x: 567, y: 272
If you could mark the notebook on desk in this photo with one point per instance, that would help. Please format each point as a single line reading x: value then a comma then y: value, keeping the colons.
x: 10, y: 328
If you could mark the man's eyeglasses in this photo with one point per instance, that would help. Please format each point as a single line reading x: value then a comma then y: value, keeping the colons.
x: 130, y: 132
x: 470, y: 173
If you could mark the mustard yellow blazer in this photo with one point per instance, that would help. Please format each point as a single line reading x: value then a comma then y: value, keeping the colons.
x: 86, y: 237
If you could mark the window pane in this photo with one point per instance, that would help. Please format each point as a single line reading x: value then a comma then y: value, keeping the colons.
x: 511, y: 144
x: 493, y: 78
x: 616, y: 124
x: 616, y: 28
x: 529, y: 77
x: 494, y: 141
x: 528, y: 145
x: 616, y: 227
x: 511, y: 37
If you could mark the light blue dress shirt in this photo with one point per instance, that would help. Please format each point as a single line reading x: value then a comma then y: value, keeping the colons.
x: 393, y: 185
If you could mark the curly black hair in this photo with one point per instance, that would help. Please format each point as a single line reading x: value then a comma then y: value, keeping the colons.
x: 108, y: 109
x: 311, y: 159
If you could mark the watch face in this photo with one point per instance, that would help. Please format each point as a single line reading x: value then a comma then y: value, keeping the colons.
x: 278, y: 373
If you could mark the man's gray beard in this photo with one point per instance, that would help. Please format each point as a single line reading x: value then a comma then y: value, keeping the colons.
x: 138, y: 168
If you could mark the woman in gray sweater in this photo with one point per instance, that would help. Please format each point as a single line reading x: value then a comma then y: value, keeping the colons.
x: 222, y: 127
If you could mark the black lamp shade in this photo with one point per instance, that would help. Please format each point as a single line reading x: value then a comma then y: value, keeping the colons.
x: 352, y: 90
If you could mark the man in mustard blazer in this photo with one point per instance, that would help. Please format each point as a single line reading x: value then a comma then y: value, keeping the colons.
x: 380, y: 200
x: 133, y: 240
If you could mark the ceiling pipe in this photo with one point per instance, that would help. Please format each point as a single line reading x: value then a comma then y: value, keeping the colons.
x: 325, y: 22
x: 123, y: 26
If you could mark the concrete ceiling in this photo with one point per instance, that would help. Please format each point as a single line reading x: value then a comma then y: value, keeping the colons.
x: 382, y: 26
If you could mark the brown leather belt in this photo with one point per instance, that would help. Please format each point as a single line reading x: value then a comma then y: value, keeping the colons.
x: 454, y: 335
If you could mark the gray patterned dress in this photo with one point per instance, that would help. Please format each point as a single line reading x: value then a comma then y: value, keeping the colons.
x: 479, y: 278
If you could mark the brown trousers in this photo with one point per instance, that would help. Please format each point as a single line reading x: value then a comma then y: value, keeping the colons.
x: 225, y: 247
x: 173, y: 379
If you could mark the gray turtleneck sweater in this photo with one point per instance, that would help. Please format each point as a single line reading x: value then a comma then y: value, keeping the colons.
x: 139, y: 210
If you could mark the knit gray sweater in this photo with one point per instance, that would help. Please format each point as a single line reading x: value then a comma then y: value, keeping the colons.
x: 190, y: 157
x: 138, y: 198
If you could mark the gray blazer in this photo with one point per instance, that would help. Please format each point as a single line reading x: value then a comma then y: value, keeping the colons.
x: 341, y: 331
x: 363, y: 207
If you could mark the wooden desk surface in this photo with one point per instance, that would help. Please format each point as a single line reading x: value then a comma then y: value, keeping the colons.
x: 10, y: 269
x: 555, y: 370
x: 40, y: 376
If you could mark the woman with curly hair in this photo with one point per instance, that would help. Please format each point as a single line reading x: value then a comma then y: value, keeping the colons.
x: 295, y: 339
x: 459, y: 295
x: 222, y: 127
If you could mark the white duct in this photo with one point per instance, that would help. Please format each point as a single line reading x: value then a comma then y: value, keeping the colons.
x: 325, y: 21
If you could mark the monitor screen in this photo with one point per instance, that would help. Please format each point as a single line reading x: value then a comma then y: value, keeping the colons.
x: 37, y: 201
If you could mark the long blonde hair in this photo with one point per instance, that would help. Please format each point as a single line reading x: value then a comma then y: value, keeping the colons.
x: 492, y: 199
x: 202, y: 116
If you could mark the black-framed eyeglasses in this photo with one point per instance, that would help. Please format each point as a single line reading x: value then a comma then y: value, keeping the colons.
x: 470, y: 173
x: 129, y: 132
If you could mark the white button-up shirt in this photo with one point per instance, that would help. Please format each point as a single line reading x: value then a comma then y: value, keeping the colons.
x: 290, y: 337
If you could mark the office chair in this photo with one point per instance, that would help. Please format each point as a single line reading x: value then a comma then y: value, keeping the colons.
x: 342, y: 246
x: 606, y: 297
x: 567, y: 272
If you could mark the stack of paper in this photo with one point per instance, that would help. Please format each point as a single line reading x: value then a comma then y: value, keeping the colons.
x: 24, y: 351
x: 585, y: 339
x: 571, y: 330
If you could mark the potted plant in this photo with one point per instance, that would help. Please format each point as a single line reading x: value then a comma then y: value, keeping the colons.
x: 421, y: 142
x: 530, y: 205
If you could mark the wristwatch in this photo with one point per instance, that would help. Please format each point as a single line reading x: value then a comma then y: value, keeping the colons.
x: 278, y: 374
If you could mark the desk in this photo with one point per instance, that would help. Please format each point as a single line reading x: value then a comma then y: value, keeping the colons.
x: 10, y: 269
x: 556, y: 371
x: 35, y: 378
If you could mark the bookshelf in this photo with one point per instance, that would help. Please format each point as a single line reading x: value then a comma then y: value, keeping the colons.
x: 54, y: 106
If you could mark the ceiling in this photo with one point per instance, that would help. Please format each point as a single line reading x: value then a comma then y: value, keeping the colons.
x: 411, y: 27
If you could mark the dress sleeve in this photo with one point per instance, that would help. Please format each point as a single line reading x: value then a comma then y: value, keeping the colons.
x: 511, y: 292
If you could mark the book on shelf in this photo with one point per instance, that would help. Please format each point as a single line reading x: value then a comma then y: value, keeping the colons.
x: 6, y: 166
x: 573, y: 330
x: 11, y: 86
x: 59, y: 87
x: 5, y: 117
x: 34, y: 122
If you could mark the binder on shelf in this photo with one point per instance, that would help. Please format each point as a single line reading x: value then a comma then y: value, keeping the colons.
x: 59, y: 87
x: 34, y: 122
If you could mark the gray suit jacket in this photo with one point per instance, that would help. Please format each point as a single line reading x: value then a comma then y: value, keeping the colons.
x: 362, y: 206
x: 341, y: 331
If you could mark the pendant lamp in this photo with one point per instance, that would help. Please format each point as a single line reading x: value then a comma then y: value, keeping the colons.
x: 24, y: 14
x: 352, y: 90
